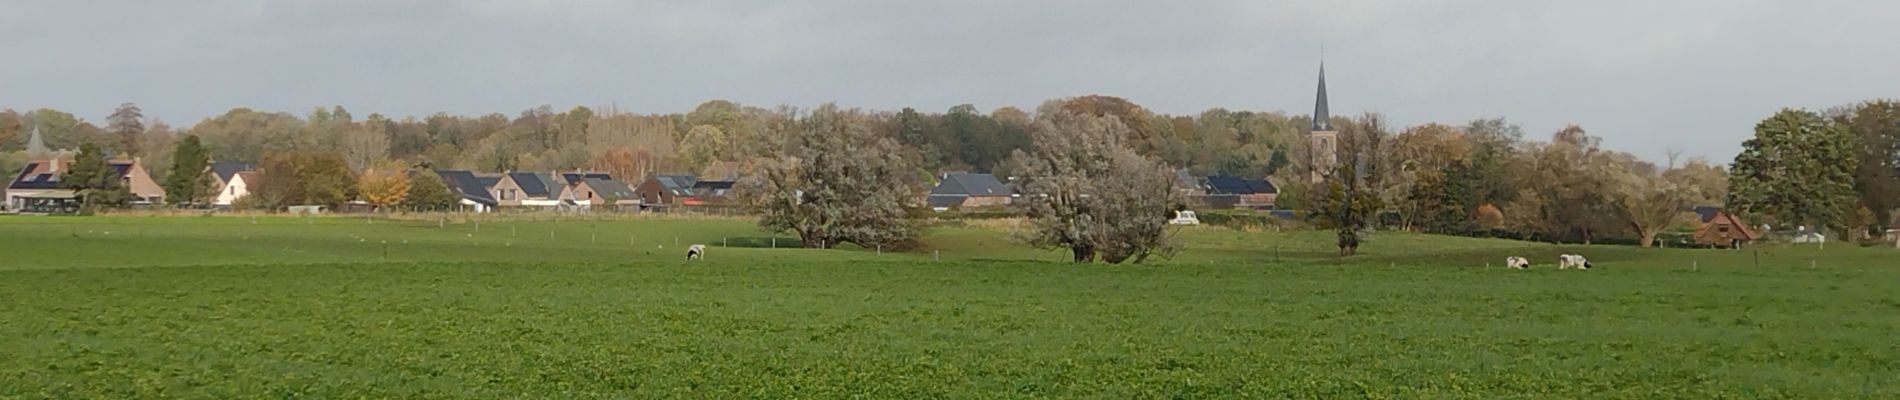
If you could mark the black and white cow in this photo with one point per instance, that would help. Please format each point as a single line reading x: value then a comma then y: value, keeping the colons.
x: 696, y: 252
x: 1515, y: 262
x: 1567, y: 261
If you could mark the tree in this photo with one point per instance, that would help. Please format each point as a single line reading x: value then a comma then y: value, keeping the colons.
x: 1647, y: 201
x: 304, y: 178
x: 189, y: 179
x: 93, y: 180
x: 1568, y: 180
x: 1798, y: 169
x: 1877, y: 126
x: 126, y: 123
x: 366, y: 143
x: 835, y: 180
x: 384, y: 185
x: 427, y: 192
x: 1083, y: 190
x: 703, y: 145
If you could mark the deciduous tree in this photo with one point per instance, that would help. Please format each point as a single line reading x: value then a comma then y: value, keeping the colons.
x: 1084, y: 190
x: 1798, y: 169
x: 835, y: 180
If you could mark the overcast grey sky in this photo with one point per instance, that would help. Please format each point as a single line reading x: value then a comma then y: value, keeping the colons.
x: 1645, y: 75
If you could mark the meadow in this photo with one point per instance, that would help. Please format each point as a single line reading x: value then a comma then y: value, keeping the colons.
x: 236, y: 307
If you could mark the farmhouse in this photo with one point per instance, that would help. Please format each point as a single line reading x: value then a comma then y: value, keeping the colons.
x: 528, y: 189
x: 595, y: 192
x: 229, y: 181
x: 37, y: 187
x: 967, y: 191
x: 1236, y: 192
x: 469, y: 187
x: 663, y: 191
x: 710, y: 192
x: 1721, y: 229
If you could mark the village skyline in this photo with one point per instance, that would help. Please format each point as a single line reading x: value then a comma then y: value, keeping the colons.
x: 1632, y: 72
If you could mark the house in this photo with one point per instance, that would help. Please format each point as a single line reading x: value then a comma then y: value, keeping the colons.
x: 1236, y: 192
x: 37, y: 187
x: 968, y: 190
x: 528, y: 189
x: 236, y: 187
x: 1721, y: 229
x: 227, y: 183
x: 710, y: 192
x: 603, y: 192
x: 661, y: 191
x: 469, y: 187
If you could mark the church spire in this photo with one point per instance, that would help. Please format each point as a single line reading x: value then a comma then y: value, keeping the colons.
x: 1322, y: 119
x: 35, y: 146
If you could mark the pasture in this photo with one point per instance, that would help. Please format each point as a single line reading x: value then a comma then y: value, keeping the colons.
x: 223, y: 307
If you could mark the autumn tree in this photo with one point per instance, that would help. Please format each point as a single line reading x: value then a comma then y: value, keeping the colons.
x: 305, y: 178
x: 1084, y: 190
x: 703, y: 145
x: 835, y: 180
x: 125, y: 124
x: 1798, y: 169
x: 427, y: 192
x: 385, y: 184
x: 189, y: 179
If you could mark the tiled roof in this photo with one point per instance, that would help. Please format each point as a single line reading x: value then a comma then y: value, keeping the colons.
x: 466, y: 184
x: 967, y: 184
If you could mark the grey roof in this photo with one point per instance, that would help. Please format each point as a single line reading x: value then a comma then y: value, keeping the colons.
x: 228, y: 169
x: 1706, y: 213
x: 537, y: 185
x: 1236, y: 185
x: 1322, y: 118
x: 574, y: 178
x: 967, y: 184
x: 488, y: 180
x: 466, y: 184
x: 946, y: 200
x: 711, y: 188
x: 677, y: 185
x: 611, y: 190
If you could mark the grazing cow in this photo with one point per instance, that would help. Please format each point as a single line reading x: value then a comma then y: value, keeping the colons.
x: 1515, y: 262
x: 1567, y: 261
x: 696, y: 252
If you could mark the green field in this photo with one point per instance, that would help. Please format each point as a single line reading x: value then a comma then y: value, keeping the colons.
x: 231, y: 307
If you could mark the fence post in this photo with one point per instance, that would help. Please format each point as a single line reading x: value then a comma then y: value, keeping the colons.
x: 936, y: 255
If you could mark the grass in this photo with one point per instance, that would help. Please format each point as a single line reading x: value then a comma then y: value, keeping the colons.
x: 223, y: 308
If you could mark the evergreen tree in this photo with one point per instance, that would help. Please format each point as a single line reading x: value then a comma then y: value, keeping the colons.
x: 189, y: 179
x: 93, y: 180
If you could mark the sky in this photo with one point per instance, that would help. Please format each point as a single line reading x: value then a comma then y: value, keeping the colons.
x: 1647, y: 76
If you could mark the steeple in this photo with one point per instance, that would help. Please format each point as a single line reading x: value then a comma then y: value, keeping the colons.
x: 1322, y: 119
x: 36, y: 147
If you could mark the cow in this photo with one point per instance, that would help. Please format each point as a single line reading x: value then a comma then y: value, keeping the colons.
x: 1515, y: 262
x: 696, y: 252
x: 1567, y: 261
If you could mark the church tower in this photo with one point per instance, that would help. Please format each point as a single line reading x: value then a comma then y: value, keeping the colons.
x: 1323, y: 142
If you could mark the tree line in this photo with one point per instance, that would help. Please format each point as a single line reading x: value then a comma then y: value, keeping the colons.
x: 1083, y: 163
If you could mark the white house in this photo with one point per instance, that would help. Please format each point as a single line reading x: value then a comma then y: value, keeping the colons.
x: 236, y: 188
